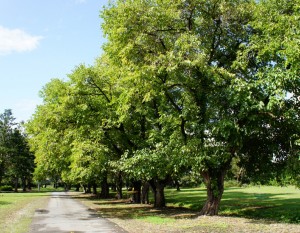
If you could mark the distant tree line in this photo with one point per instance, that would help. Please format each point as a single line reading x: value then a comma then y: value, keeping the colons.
x: 183, y: 89
x: 16, y: 160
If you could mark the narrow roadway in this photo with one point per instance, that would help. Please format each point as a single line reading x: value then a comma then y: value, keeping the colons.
x: 64, y: 214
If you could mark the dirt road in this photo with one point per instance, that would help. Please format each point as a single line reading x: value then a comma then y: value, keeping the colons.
x: 64, y: 214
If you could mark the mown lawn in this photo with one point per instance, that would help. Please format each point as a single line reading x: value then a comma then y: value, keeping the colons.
x: 243, y: 209
x: 280, y: 204
x: 17, y: 210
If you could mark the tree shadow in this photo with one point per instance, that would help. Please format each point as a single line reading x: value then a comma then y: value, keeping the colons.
x: 132, y: 211
x: 5, y: 203
x: 124, y: 209
x: 268, y: 207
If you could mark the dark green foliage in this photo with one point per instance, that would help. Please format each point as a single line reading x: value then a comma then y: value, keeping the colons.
x: 6, y: 188
x: 16, y: 160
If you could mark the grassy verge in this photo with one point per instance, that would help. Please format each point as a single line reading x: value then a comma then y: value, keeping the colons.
x: 17, y: 210
x: 249, y: 209
x: 280, y: 204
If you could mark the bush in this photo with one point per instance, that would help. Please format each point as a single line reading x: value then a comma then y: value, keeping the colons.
x: 6, y: 188
x: 231, y: 183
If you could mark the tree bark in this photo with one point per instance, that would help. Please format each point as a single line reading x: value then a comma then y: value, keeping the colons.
x: 158, y: 187
x: 145, y: 193
x: 177, y: 185
x: 29, y: 183
x: 84, y: 188
x: 136, y: 197
x: 214, y: 182
x: 1, y: 172
x: 104, y: 188
x: 94, y: 188
x: 24, y: 184
x: 88, y: 190
x: 16, y: 184
x: 119, y: 186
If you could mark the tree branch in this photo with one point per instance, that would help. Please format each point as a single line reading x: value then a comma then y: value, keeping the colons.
x: 92, y: 82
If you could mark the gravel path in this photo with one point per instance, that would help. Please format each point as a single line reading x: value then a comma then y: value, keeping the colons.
x: 64, y: 214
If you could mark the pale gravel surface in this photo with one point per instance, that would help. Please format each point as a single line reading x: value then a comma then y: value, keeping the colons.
x: 64, y: 214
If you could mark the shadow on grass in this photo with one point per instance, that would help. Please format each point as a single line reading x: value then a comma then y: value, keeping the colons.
x: 123, y: 209
x: 239, y: 202
x: 265, y: 206
x: 5, y: 203
x: 133, y: 211
x: 236, y: 202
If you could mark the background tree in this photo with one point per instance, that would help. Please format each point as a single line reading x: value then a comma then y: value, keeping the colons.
x: 6, y: 129
x: 16, y: 160
x: 48, y: 139
x: 274, y: 49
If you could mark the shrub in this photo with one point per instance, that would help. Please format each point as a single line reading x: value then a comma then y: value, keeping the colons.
x: 6, y: 188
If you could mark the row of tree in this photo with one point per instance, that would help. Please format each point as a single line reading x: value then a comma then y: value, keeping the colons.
x: 182, y: 87
x: 16, y: 160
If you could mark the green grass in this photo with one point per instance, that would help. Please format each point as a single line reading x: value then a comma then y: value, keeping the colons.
x: 280, y: 204
x: 17, y: 210
x: 268, y: 203
x: 157, y: 219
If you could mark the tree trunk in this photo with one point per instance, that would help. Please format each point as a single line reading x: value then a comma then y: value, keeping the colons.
x: 119, y: 186
x: 29, y: 183
x: 177, y: 185
x: 94, y: 188
x: 160, y: 200
x: 214, y: 182
x: 67, y: 186
x: 113, y: 187
x: 84, y: 188
x: 16, y: 184
x: 1, y: 172
x: 24, y: 184
x: 89, y: 190
x: 145, y: 193
x: 136, y: 197
x: 158, y: 187
x: 104, y: 188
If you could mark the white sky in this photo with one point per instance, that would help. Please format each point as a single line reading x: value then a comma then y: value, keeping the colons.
x: 41, y: 40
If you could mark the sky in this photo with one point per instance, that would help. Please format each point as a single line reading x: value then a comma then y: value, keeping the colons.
x: 41, y: 40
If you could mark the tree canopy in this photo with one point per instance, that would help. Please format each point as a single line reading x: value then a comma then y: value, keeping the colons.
x: 181, y: 86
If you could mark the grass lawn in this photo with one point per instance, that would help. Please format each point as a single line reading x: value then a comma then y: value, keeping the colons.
x: 247, y: 209
x: 280, y: 204
x: 17, y: 210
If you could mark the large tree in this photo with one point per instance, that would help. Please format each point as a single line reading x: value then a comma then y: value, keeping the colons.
x: 182, y: 84
x: 185, y: 53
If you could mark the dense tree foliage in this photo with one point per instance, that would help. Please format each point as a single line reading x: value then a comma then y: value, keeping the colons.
x: 183, y: 87
x: 16, y: 160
